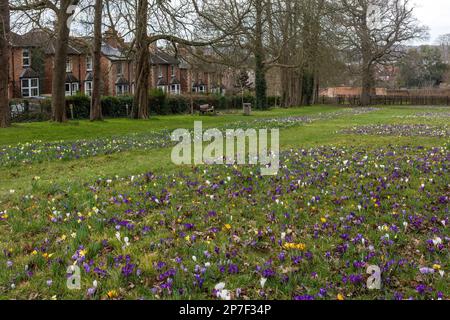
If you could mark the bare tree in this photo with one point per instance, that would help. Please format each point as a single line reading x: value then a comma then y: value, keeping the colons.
x: 39, y: 12
x: 189, y: 23
x: 96, y: 107
x: 140, y: 104
x: 375, y: 30
x: 4, y: 63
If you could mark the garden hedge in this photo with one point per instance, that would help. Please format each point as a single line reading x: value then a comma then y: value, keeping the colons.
x: 78, y: 106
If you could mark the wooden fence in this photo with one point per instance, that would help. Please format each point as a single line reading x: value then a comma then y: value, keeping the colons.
x: 387, y: 100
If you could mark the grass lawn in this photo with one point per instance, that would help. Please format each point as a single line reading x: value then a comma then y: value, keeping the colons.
x: 357, y: 187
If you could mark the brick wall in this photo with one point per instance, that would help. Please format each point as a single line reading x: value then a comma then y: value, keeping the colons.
x: 15, y: 69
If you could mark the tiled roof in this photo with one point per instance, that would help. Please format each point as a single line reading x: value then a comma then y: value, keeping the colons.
x: 43, y: 38
x: 70, y: 78
x: 161, y: 82
x: 160, y: 57
x: 89, y: 76
x: 199, y: 83
x: 122, y: 81
x: 29, y: 73
x: 113, y: 53
x: 174, y: 81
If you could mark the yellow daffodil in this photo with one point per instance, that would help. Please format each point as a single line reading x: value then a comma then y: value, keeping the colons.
x: 436, y: 267
x: 340, y: 297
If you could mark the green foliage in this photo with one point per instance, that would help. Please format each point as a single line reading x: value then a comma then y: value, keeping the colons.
x: 81, y: 106
x: 159, y: 104
x: 422, y: 68
x: 157, y: 101
x: 116, y: 107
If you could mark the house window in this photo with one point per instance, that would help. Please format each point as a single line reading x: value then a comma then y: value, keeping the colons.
x: 72, y: 88
x: 30, y: 87
x: 173, y: 71
x: 88, y: 88
x: 26, y: 58
x: 202, y: 89
x: 175, y: 89
x: 75, y: 88
x: 162, y: 88
x: 122, y: 89
x: 69, y: 65
x: 89, y: 63
x: 119, y: 67
x: 160, y: 72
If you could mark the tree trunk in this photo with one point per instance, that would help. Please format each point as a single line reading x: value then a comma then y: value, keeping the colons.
x: 367, y: 89
x: 59, y: 68
x: 96, y: 106
x: 260, y: 72
x: 4, y: 62
x: 140, y: 104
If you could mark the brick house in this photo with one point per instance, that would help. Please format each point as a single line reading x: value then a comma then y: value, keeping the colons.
x: 31, y: 65
x: 167, y: 72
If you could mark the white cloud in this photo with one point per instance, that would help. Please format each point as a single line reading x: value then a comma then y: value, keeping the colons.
x: 436, y: 15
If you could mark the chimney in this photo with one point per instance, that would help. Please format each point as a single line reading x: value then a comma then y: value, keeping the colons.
x: 113, y: 38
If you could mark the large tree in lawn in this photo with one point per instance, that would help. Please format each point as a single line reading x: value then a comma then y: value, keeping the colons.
x: 187, y: 23
x: 375, y: 31
x: 38, y: 13
x: 96, y: 106
x: 140, y: 104
x: 4, y: 63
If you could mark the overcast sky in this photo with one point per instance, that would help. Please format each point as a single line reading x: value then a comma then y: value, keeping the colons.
x: 436, y: 15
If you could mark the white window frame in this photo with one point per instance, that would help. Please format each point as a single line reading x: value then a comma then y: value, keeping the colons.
x: 160, y: 71
x: 173, y: 71
x: 31, y: 88
x: 122, y: 89
x: 88, y: 87
x: 69, y: 64
x: 74, y: 87
x: 163, y: 88
x: 89, y: 63
x: 69, y: 86
x: 176, y: 90
x: 26, y: 56
x: 202, y: 88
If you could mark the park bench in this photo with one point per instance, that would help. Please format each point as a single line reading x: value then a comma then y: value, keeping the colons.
x: 205, y: 108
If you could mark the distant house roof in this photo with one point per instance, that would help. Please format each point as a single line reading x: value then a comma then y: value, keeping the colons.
x: 161, y: 82
x: 199, y: 83
x: 29, y: 73
x: 89, y: 76
x: 113, y: 53
x: 70, y: 78
x: 174, y: 81
x: 43, y: 38
x: 122, y: 81
x: 160, y: 57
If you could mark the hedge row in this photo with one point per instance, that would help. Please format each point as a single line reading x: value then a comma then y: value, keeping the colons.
x: 78, y: 107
